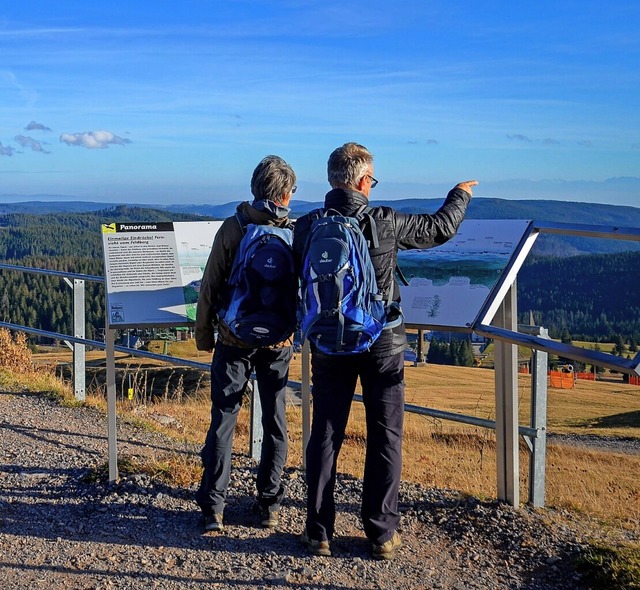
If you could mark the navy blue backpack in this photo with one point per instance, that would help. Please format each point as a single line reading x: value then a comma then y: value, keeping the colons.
x: 260, y: 305
x: 340, y: 308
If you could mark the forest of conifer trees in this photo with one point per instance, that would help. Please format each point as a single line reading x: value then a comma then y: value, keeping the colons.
x: 589, y: 297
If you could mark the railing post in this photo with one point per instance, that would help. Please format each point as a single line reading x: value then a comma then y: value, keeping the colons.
x: 78, y: 350
x: 79, y: 370
x: 537, y: 461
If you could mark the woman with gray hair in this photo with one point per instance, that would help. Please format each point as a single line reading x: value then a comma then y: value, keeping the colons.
x: 272, y: 184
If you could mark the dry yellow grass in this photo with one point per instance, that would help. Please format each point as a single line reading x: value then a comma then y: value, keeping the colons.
x: 450, y: 455
x: 17, y: 369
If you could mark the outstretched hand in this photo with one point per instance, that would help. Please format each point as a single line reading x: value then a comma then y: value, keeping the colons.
x: 466, y: 186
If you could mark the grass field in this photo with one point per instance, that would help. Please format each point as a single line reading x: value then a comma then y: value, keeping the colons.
x: 446, y: 454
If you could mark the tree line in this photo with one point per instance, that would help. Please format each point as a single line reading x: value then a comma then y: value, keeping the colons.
x: 68, y: 242
x: 590, y: 297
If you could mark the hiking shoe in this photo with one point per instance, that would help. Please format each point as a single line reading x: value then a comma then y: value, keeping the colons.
x: 315, y: 547
x: 269, y: 517
x: 213, y: 523
x: 388, y: 549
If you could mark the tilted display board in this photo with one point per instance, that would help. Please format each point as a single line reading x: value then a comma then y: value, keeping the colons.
x: 153, y: 271
x: 452, y: 284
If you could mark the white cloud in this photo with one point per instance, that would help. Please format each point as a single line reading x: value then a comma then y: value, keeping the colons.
x: 93, y: 140
x: 29, y: 142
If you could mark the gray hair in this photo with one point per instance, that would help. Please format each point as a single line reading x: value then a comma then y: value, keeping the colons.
x: 272, y: 178
x: 347, y: 165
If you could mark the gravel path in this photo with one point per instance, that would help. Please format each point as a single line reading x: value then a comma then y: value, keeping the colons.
x: 60, y: 530
x: 610, y: 444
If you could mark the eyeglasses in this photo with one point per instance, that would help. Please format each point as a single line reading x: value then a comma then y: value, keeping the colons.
x: 374, y: 182
x: 294, y: 189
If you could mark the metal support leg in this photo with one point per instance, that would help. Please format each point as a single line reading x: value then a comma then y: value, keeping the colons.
x: 257, y: 432
x: 306, y: 400
x: 111, y: 404
x: 421, y: 357
x: 537, y: 463
x: 506, y: 379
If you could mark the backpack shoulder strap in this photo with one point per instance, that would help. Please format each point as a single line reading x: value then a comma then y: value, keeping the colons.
x: 242, y: 222
x: 364, y: 217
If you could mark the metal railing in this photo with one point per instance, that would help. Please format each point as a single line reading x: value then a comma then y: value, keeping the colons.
x: 534, y: 434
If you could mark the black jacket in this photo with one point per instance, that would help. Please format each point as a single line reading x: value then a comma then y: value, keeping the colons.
x: 218, y: 270
x: 396, y: 231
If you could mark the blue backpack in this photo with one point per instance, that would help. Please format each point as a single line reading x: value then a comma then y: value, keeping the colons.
x: 262, y: 287
x: 340, y: 308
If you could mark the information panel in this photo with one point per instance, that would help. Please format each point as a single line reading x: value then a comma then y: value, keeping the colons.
x: 450, y: 284
x: 153, y: 271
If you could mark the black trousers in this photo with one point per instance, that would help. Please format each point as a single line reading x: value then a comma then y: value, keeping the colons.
x: 334, y: 381
x: 231, y: 369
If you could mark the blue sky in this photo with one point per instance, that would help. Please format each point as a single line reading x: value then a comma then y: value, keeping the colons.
x: 176, y: 102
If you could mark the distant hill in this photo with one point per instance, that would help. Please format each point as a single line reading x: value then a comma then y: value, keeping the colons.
x: 47, y: 206
x: 490, y: 208
x: 547, y: 211
x: 480, y: 208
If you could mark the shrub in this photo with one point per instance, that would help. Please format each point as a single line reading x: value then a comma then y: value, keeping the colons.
x: 15, y: 354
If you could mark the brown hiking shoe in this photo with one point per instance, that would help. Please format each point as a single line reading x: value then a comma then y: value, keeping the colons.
x: 269, y: 518
x: 388, y: 549
x: 316, y: 547
x: 213, y: 523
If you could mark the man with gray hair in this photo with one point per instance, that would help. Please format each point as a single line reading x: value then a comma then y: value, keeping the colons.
x: 272, y: 185
x: 380, y: 368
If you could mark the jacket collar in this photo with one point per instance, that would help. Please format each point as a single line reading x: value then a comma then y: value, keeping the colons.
x: 344, y: 199
x: 275, y: 210
x: 263, y: 212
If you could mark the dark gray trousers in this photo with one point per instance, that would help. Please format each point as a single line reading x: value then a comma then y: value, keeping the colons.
x: 334, y: 382
x: 231, y: 369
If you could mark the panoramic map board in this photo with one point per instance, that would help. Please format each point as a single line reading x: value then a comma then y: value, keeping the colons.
x: 153, y: 271
x: 449, y: 285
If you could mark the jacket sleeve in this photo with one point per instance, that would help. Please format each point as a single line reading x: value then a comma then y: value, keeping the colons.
x: 214, y: 281
x: 418, y: 231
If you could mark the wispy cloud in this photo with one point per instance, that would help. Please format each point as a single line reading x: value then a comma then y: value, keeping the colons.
x: 29, y: 142
x: 28, y: 95
x: 33, y: 126
x: 519, y: 137
x: 93, y: 140
x: 6, y: 151
x: 586, y: 143
x: 526, y: 139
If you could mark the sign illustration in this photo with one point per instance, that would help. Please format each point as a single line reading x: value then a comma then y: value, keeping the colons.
x: 449, y: 284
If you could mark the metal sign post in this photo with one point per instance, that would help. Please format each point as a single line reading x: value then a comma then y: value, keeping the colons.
x: 306, y: 399
x: 256, y: 430
x: 111, y: 404
x: 506, y: 380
